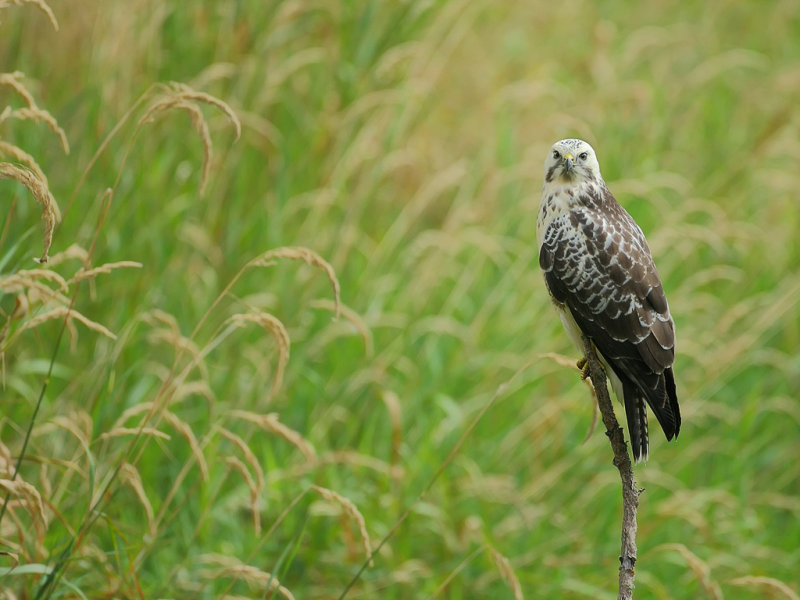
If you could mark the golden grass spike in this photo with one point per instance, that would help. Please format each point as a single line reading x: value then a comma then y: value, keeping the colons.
x: 307, y: 256
x: 50, y: 213
x: 38, y: 115
x: 198, y: 122
x: 14, y: 81
x: 351, y: 511
x: 186, y: 432
x: 230, y: 566
x: 62, y: 311
x: 84, y: 273
x: 73, y: 251
x: 31, y: 500
x: 353, y: 318
x: 29, y: 278
x: 248, y: 454
x: 180, y: 96
x: 700, y: 569
x: 271, y: 423
x: 41, y: 4
x: 239, y: 466
x: 70, y: 424
x: 121, y: 431
x: 134, y: 410
x: 19, y: 155
x: 507, y: 573
x: 278, y: 332
x: 132, y: 477
x: 193, y: 388
x: 187, y: 93
x: 35, y: 290
x: 767, y: 582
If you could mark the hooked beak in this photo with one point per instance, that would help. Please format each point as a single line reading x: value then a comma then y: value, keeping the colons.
x: 568, y: 163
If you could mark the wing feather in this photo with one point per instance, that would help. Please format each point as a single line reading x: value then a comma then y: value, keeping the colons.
x: 597, y: 262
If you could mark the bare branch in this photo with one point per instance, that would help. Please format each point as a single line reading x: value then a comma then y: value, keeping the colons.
x: 630, y: 495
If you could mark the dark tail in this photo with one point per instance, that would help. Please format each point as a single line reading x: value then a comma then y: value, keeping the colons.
x: 672, y: 396
x: 636, y: 412
x: 663, y: 400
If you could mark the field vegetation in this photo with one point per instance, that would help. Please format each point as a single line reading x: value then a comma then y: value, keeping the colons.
x: 293, y: 296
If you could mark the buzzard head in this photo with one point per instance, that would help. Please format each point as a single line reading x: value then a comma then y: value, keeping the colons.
x: 571, y: 161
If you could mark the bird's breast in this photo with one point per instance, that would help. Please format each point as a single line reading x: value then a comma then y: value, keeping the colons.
x: 553, y: 207
x: 557, y: 202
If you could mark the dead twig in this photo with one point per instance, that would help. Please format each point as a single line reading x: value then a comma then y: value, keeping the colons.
x: 630, y: 495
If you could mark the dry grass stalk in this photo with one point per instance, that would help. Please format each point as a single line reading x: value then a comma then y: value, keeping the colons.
x: 353, y: 318
x: 84, y: 273
x: 31, y: 112
x: 768, y: 582
x: 41, y: 4
x: 29, y: 498
x: 201, y: 127
x: 507, y: 573
x: 75, y: 426
x: 28, y: 278
x: 137, y: 409
x: 247, y: 453
x: 181, y: 97
x: 187, y: 93
x: 37, y: 187
x: 193, y: 388
x: 186, y: 432
x: 239, y: 466
x: 63, y: 311
x: 700, y: 569
x: 122, y: 431
x: 351, y: 511
x: 73, y: 251
x: 270, y: 422
x: 19, y: 155
x: 131, y: 476
x: 309, y: 257
x: 278, y: 332
x: 14, y: 81
x: 233, y: 568
x: 38, y: 115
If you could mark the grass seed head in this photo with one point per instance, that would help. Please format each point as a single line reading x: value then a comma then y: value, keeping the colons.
x: 351, y: 511
x: 179, y: 96
x: 279, y: 334
x: 50, y: 212
x: 307, y: 256
x: 40, y: 4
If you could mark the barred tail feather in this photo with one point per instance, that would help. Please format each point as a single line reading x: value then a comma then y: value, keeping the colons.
x: 636, y: 412
x: 663, y: 401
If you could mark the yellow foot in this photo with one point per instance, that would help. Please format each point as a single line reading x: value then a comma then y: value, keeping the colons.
x: 583, y: 365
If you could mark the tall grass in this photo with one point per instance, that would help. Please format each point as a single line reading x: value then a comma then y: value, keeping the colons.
x: 210, y: 429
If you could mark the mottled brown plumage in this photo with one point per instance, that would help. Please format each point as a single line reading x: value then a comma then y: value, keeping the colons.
x: 601, y: 276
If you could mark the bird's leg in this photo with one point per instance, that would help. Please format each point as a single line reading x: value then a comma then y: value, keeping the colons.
x: 583, y: 365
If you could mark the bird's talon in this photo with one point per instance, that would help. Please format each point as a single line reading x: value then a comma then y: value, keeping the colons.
x: 583, y: 365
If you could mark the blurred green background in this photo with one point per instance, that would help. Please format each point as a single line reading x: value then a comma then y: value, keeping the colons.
x: 402, y: 142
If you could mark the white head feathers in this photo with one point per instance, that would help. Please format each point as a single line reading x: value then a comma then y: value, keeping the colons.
x: 571, y: 161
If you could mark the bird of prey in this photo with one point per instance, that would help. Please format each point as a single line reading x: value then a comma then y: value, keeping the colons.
x: 603, y: 282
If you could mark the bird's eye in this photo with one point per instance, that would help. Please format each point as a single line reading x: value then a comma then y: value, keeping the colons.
x: 583, y: 155
x: 556, y: 154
